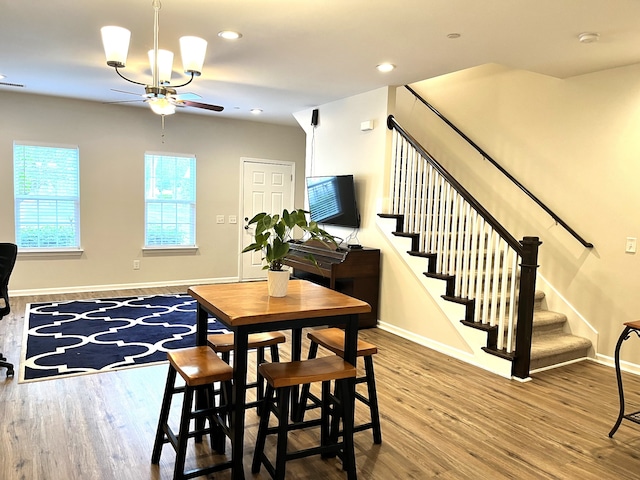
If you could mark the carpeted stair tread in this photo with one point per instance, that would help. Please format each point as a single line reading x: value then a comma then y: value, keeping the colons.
x: 557, y: 348
x: 547, y: 320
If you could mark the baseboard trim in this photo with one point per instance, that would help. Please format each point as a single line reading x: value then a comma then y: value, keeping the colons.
x: 426, y: 342
x: 624, y: 366
x: 122, y: 286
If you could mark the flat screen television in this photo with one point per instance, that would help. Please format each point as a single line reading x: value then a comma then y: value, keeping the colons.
x: 332, y: 200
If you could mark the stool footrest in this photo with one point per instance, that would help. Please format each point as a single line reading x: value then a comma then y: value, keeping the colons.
x: 199, y: 472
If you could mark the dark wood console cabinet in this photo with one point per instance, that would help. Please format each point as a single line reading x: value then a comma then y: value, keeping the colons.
x: 354, y: 272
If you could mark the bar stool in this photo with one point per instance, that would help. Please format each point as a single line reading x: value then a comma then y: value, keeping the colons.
x: 281, y: 377
x: 223, y: 343
x: 333, y: 340
x: 199, y: 367
x: 629, y: 328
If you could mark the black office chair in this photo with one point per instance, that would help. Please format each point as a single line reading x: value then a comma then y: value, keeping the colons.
x: 8, y: 254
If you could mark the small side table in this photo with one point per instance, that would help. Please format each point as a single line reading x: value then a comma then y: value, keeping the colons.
x: 629, y: 328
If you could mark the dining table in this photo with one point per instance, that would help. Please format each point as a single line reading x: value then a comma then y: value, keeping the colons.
x: 246, y: 307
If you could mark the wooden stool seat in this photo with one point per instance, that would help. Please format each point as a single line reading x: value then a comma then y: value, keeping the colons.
x: 281, y: 377
x: 289, y: 374
x: 333, y: 340
x: 200, y: 368
x: 223, y: 343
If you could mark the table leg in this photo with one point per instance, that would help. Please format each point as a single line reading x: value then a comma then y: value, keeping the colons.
x: 202, y: 326
x: 239, y: 399
x: 202, y: 329
x: 350, y: 355
x: 296, y: 354
x: 623, y: 336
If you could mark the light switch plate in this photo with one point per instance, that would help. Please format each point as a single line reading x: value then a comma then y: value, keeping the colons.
x: 220, y: 219
x: 631, y: 245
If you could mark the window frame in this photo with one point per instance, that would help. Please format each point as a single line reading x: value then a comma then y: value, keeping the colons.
x: 176, y: 202
x: 74, y: 197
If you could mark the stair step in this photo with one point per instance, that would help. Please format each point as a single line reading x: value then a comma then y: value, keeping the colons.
x: 546, y: 321
x: 547, y: 350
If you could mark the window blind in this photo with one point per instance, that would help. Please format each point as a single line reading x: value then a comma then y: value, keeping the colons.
x: 46, y: 196
x: 170, y: 200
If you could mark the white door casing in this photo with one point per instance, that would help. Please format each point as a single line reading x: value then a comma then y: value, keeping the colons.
x: 266, y: 186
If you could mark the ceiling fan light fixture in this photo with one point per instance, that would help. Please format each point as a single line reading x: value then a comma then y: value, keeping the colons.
x: 193, y: 51
x: 162, y: 106
x: 165, y: 65
x: 115, y: 41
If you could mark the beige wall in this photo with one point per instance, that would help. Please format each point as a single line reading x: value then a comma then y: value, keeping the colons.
x: 112, y: 140
x: 574, y: 143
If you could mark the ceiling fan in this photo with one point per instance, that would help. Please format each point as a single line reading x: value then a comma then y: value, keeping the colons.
x: 164, y: 100
x: 160, y: 95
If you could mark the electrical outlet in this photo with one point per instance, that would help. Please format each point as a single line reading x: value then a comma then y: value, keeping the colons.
x: 631, y: 245
x: 220, y: 219
x: 136, y: 264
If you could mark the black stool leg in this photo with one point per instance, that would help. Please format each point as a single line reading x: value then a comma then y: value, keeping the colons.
x: 347, y: 411
x: 284, y: 396
x: 262, y: 430
x: 373, y: 400
x: 260, y: 380
x: 623, y: 336
x: 164, y: 416
x: 183, y: 433
x: 304, y: 394
x: 325, y: 414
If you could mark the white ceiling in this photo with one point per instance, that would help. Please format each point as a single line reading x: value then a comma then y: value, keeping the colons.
x: 297, y: 54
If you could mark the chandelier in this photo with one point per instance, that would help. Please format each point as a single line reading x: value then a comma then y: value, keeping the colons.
x: 159, y: 93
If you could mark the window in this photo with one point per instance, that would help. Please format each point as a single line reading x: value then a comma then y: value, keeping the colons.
x: 47, y: 196
x: 170, y: 200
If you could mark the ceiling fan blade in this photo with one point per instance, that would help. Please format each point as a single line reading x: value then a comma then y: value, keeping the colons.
x: 206, y: 106
x: 123, y: 101
x: 186, y: 96
x: 128, y: 93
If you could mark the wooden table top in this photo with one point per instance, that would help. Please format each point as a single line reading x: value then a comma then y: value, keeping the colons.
x: 249, y: 303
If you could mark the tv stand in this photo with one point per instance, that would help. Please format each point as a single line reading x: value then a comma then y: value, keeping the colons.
x: 354, y: 272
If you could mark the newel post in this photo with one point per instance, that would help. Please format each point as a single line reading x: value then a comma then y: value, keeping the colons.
x: 528, y: 269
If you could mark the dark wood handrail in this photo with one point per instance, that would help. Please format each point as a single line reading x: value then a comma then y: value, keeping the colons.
x: 502, y: 170
x: 490, y: 219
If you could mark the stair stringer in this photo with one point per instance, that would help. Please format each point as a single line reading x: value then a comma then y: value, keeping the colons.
x: 475, y: 339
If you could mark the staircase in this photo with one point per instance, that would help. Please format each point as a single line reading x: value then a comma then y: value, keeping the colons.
x: 551, y: 343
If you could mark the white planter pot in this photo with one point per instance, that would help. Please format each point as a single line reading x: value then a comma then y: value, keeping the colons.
x: 277, y: 282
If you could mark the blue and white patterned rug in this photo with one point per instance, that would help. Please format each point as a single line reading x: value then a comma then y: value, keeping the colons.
x: 78, y: 337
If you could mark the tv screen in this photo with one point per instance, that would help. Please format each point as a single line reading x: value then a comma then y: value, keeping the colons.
x: 332, y: 200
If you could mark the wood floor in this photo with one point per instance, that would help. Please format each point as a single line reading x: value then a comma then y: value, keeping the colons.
x: 441, y: 419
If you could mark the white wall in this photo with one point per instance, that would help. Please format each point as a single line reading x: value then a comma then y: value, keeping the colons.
x: 112, y: 140
x: 574, y: 143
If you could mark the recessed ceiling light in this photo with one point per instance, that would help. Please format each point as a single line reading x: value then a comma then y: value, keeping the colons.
x: 453, y: 35
x: 229, y: 35
x: 256, y: 111
x: 588, y: 37
x: 385, y: 67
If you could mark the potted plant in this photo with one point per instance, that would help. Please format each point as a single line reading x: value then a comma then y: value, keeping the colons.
x: 271, y: 237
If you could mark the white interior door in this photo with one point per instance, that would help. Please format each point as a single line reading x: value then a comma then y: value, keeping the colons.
x: 267, y: 187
